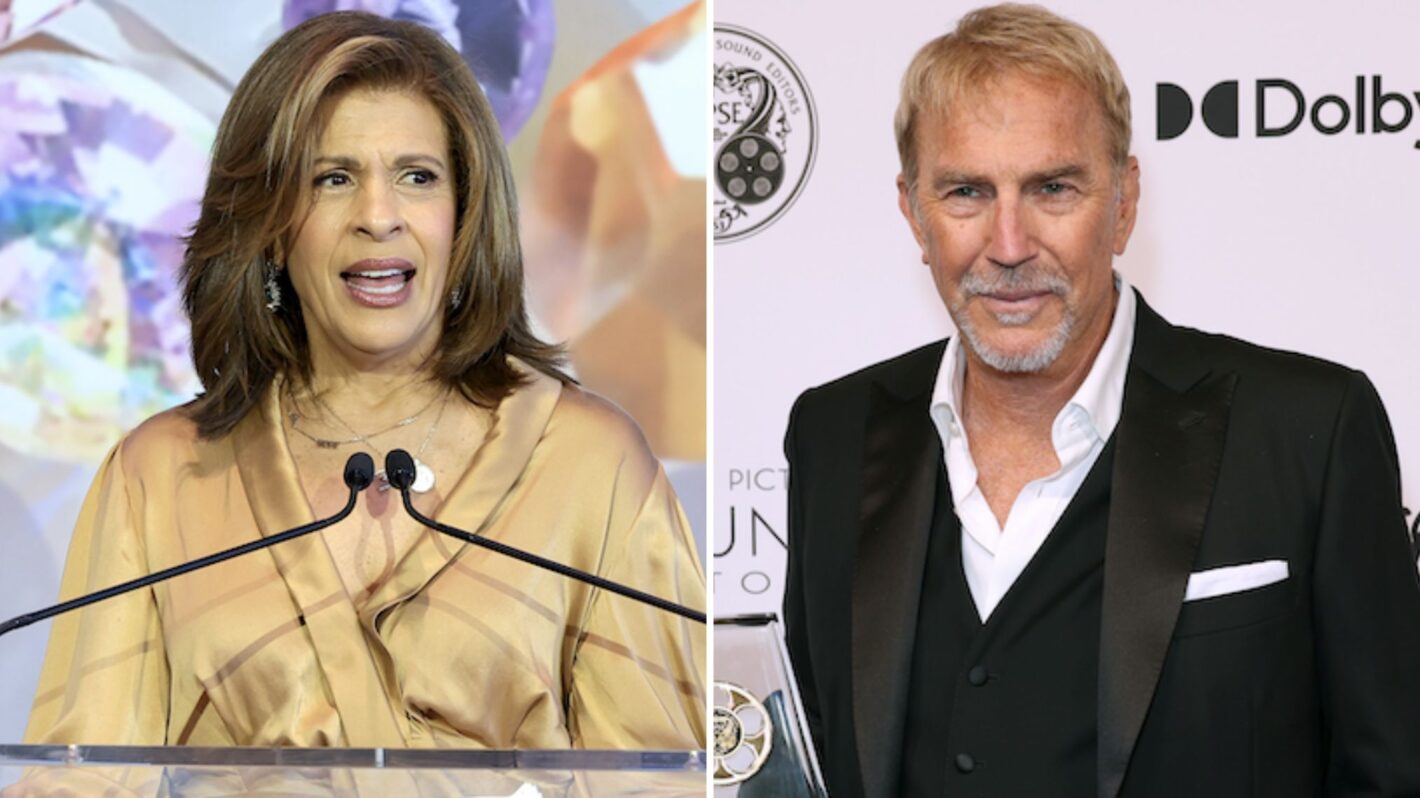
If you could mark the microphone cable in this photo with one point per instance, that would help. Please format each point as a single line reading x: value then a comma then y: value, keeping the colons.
x: 359, y: 473
x: 399, y: 470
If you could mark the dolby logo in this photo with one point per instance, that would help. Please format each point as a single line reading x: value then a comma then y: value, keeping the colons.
x: 1281, y: 107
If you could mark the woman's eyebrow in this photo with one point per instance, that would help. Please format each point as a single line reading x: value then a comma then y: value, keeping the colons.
x: 353, y: 164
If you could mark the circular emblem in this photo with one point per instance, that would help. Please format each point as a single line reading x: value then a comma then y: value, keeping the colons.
x: 766, y: 133
x: 728, y: 732
x: 744, y: 734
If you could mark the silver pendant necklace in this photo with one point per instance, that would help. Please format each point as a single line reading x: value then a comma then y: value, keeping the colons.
x: 334, y: 443
x: 424, y: 479
x: 423, y: 474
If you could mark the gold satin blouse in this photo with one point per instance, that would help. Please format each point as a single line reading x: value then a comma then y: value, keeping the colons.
x: 461, y: 647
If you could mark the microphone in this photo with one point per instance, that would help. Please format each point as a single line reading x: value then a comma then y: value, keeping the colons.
x: 359, y: 473
x: 399, y: 470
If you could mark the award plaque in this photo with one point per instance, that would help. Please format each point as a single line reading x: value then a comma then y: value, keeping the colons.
x: 761, y: 746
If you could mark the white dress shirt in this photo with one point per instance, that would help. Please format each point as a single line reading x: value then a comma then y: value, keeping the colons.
x: 992, y: 557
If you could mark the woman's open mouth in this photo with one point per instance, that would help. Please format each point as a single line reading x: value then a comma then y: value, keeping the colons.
x: 382, y: 285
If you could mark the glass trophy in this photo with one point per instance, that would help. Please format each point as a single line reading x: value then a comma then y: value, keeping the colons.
x: 761, y: 746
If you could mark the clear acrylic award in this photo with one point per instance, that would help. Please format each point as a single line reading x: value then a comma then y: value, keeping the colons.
x: 761, y: 746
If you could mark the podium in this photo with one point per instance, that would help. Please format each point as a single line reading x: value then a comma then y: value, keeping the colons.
x: 183, y: 772
x: 760, y: 739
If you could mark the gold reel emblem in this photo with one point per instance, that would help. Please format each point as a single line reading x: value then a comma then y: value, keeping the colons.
x: 744, y: 734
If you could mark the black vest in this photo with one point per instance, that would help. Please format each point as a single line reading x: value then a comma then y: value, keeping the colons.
x: 1009, y: 708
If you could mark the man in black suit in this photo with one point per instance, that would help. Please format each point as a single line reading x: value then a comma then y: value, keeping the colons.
x: 1079, y: 551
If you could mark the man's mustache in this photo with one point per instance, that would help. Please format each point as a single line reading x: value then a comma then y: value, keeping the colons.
x: 1028, y: 278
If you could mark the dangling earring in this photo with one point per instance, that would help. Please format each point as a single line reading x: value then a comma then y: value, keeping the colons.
x: 456, y: 299
x: 273, y: 288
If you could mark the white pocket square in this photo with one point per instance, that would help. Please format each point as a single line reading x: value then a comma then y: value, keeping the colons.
x: 1234, y: 579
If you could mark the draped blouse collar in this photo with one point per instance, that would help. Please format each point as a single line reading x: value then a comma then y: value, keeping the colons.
x: 347, y: 641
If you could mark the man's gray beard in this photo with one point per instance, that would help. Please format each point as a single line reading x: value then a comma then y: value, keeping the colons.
x: 1030, y: 362
x: 1018, y: 277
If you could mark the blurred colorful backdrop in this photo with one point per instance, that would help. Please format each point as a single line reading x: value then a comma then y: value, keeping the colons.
x: 107, y: 114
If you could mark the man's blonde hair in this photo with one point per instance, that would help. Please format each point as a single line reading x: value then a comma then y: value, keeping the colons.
x: 1002, y: 39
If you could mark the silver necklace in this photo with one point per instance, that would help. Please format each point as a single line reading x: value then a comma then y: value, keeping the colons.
x: 423, y: 474
x: 330, y: 443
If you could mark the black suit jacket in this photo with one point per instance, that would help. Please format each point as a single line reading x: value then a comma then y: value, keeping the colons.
x: 1226, y: 453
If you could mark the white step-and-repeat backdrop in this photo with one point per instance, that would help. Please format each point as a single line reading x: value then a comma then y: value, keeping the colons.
x: 1288, y: 216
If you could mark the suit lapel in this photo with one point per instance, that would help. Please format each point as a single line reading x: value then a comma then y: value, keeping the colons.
x: 900, y: 458
x: 1169, y: 447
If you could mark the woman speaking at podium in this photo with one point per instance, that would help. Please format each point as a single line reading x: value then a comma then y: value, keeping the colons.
x: 355, y: 283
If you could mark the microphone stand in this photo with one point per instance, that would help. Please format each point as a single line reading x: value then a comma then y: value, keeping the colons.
x: 358, y: 476
x: 401, y: 476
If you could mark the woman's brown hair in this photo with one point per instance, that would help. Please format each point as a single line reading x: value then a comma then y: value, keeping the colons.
x: 260, y: 164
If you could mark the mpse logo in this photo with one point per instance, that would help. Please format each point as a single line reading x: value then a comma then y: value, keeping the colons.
x: 1280, y: 107
x: 766, y: 133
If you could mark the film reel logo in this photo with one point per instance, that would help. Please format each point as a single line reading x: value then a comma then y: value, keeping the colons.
x: 766, y: 133
x: 744, y: 734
